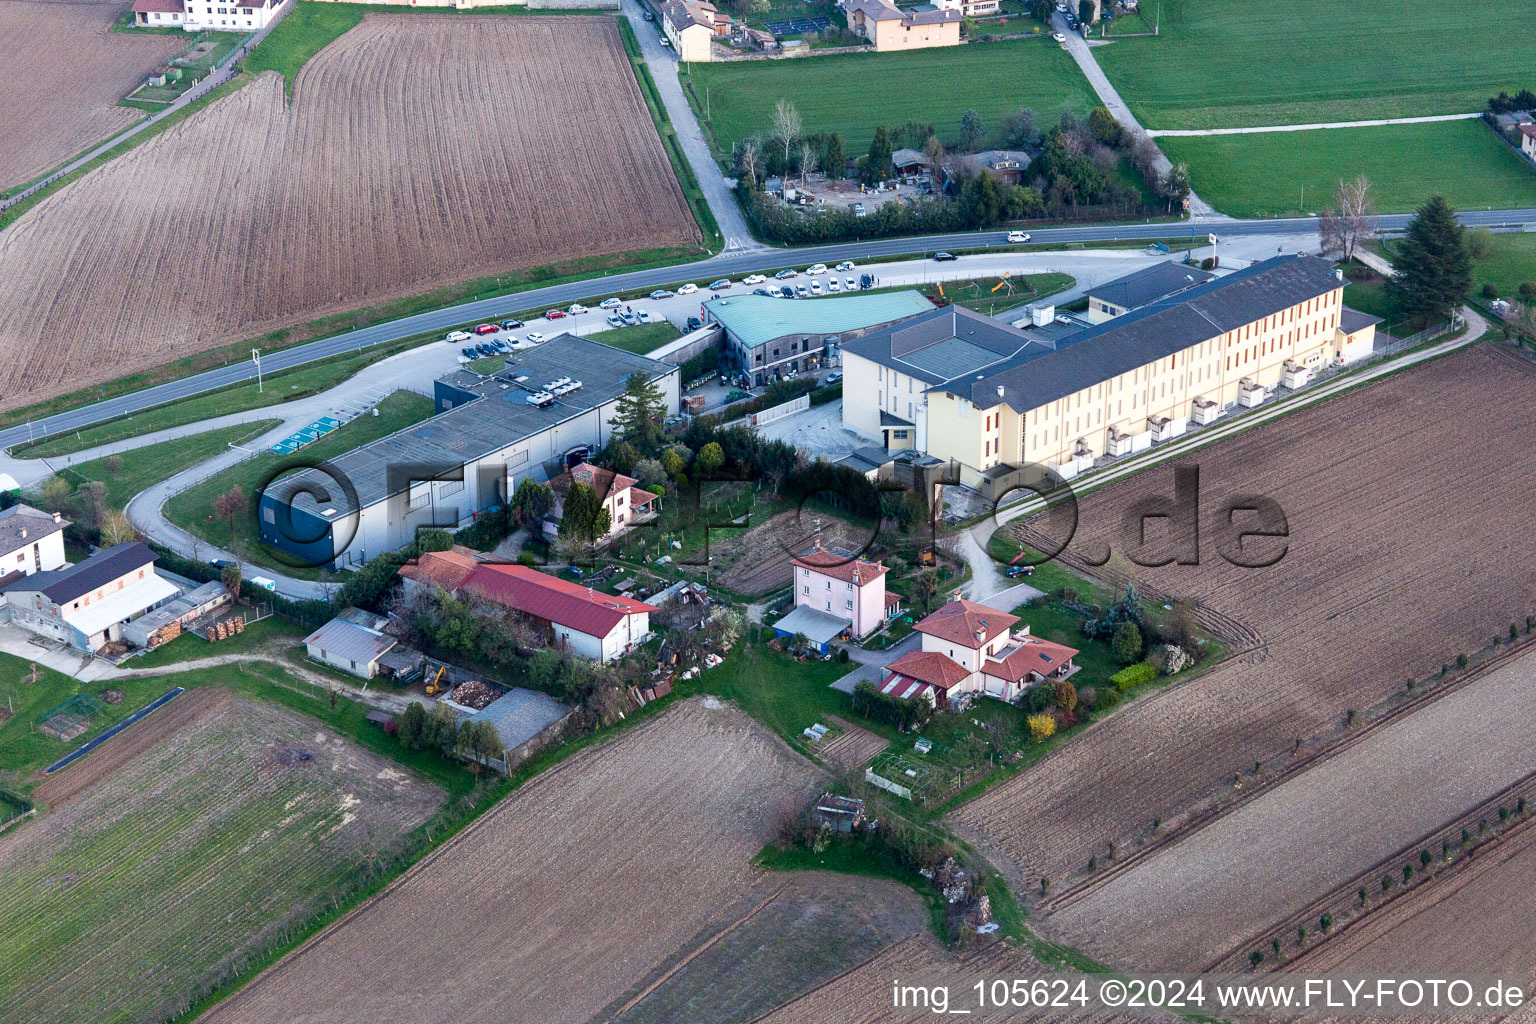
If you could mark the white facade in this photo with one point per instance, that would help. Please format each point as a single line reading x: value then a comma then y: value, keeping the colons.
x: 630, y: 631
x: 205, y: 16
x: 861, y: 604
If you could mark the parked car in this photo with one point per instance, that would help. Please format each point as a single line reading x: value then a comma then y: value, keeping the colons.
x: 647, y: 317
x: 651, y: 17
x: 944, y: 257
x: 1018, y: 236
x: 511, y: 324
x: 485, y: 350
x: 614, y: 320
x: 816, y: 268
x: 458, y: 336
x: 629, y: 318
x: 816, y: 288
x: 1058, y: 37
x: 687, y: 289
x: 720, y: 285
x: 834, y: 285
x: 785, y: 275
x: 264, y: 583
x: 765, y: 291
x: 694, y: 323
x: 576, y: 309
x: 845, y: 265
x: 535, y: 337
x: 501, y: 347
x: 662, y: 293
x: 866, y: 280
x: 221, y: 563
x: 467, y: 352
x: 801, y: 291
x: 850, y: 283
x: 832, y: 378
x: 555, y: 314
x: 486, y: 329
x: 1015, y: 571
x: 613, y: 303
x: 753, y: 279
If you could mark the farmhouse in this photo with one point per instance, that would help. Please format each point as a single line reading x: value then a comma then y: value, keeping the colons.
x: 1007, y: 166
x: 891, y: 28
x: 439, y: 570
x: 991, y: 399
x: 1144, y: 287
x: 206, y: 16
x: 1528, y: 140
x: 350, y: 647
x: 86, y: 604
x: 970, y: 648
x: 31, y: 541
x: 532, y: 418
x: 579, y: 619
x: 626, y: 503
x: 768, y: 337
x: 691, y: 26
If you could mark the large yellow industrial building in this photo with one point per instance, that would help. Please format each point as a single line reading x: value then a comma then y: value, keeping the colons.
x: 991, y: 399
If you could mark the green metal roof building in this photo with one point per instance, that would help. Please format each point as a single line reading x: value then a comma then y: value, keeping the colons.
x: 767, y: 337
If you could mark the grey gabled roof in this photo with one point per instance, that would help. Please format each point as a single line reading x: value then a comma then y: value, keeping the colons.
x: 942, y: 344
x: 1352, y: 320
x: 106, y: 565
x: 340, y: 638
x: 1149, y: 284
x: 1153, y: 332
x: 22, y: 524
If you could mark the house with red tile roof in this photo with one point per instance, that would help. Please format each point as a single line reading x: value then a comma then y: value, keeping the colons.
x: 581, y: 620
x: 626, y: 503
x: 845, y: 587
x: 971, y: 648
x: 446, y: 570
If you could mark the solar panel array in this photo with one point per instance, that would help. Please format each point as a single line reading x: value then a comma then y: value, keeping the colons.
x: 314, y: 432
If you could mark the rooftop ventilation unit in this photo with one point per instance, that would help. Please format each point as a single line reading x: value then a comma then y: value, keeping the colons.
x: 540, y: 399
x: 558, y: 382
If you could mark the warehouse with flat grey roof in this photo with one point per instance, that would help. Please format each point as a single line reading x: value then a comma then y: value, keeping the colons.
x: 547, y: 407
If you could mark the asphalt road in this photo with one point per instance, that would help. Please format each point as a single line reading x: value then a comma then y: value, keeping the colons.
x: 728, y: 264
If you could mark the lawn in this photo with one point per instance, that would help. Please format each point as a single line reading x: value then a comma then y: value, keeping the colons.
x: 1511, y: 263
x: 1282, y: 174
x: 640, y: 339
x: 1219, y: 64
x: 852, y: 94
x: 144, y: 467
x: 192, y: 509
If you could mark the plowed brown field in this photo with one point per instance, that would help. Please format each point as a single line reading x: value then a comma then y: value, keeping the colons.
x: 61, y: 75
x: 1409, y: 510
x: 560, y: 899
x: 418, y: 151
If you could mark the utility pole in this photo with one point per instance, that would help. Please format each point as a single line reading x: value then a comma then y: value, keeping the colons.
x: 256, y: 358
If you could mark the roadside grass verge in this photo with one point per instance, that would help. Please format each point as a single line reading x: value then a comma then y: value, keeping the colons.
x: 192, y: 509
x: 1286, y: 174
x: 134, y: 471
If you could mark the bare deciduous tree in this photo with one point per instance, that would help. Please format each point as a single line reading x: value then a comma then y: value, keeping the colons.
x: 749, y: 158
x: 786, y: 127
x: 809, y: 158
x: 1351, y: 219
x: 115, y: 528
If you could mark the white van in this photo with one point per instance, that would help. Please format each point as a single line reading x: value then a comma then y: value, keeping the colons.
x: 263, y: 583
x: 458, y: 336
x: 1018, y: 236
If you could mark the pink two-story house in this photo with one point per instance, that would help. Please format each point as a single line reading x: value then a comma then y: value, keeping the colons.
x: 847, y: 588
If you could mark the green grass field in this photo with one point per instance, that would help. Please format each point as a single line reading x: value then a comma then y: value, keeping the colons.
x: 1219, y: 64
x: 1511, y: 263
x: 640, y: 339
x: 1264, y: 175
x: 855, y: 93
x: 192, y: 509
x: 147, y: 466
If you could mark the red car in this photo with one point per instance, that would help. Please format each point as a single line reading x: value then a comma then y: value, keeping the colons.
x: 555, y: 314
x: 486, y: 329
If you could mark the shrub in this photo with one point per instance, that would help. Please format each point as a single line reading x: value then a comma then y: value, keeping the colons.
x: 1490, y: 292
x: 1325, y: 922
x: 1133, y: 676
x: 1127, y: 642
x: 1256, y: 957
x: 1041, y: 726
x: 1066, y: 696
x: 1462, y: 660
x: 526, y: 558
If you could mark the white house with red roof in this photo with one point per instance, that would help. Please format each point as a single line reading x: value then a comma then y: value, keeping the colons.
x: 626, y: 503
x: 847, y: 587
x: 971, y: 648
x: 599, y: 626
x: 206, y: 15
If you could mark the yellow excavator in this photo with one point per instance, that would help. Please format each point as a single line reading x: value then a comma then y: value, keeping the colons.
x: 437, y: 686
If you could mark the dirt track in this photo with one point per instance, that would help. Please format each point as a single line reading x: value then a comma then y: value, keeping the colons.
x: 419, y: 151
x: 1392, y: 493
x: 571, y: 891
x: 61, y: 75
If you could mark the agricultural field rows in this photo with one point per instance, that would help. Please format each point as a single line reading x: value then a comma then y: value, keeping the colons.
x: 418, y: 151
x: 1392, y: 493
x: 61, y: 74
x: 163, y: 867
x: 576, y: 887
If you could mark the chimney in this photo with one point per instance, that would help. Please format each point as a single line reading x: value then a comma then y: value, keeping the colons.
x: 23, y: 533
x: 58, y: 518
x: 981, y: 636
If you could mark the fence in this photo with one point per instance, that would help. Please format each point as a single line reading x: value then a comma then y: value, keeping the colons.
x: 778, y: 412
